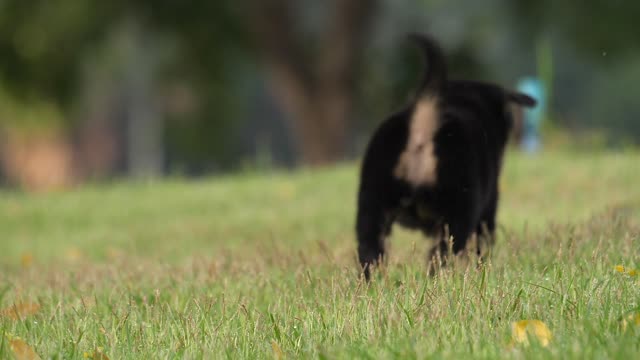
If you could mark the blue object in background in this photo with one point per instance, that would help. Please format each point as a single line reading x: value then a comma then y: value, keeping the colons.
x: 532, y: 117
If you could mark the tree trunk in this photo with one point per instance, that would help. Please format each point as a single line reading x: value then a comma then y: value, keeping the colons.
x: 145, y: 130
x: 317, y: 99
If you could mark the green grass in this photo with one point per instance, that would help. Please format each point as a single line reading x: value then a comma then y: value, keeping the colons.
x: 263, y: 266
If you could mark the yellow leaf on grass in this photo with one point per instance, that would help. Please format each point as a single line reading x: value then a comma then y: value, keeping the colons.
x: 524, y: 329
x: 20, y: 310
x: 286, y: 191
x: 21, y: 350
x: 621, y: 269
x: 74, y: 255
x: 97, y: 354
x: 114, y: 253
x: 26, y: 260
x: 277, y: 352
x: 630, y: 320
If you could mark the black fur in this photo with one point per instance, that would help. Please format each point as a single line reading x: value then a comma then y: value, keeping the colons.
x: 470, y: 130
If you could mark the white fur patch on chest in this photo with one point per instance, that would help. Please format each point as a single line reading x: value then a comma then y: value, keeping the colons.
x: 417, y: 163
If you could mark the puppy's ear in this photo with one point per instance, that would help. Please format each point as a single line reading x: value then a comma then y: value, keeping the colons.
x: 521, y: 99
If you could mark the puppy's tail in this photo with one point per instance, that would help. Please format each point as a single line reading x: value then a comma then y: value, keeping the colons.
x: 435, y: 73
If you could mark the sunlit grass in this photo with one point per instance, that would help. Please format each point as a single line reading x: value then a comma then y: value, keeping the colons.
x: 264, y: 266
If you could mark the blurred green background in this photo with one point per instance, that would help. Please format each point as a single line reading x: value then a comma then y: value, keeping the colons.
x: 93, y: 90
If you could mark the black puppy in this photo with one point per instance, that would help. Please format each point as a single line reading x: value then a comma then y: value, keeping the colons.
x: 434, y: 165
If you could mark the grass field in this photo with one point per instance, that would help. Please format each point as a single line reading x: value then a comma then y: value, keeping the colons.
x: 263, y: 266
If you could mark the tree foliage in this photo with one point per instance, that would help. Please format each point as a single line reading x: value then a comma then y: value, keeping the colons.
x: 44, y: 43
x: 594, y: 26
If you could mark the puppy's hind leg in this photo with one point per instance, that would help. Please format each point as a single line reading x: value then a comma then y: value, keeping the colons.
x: 486, y: 229
x: 451, y: 242
x: 373, y: 225
x: 486, y: 238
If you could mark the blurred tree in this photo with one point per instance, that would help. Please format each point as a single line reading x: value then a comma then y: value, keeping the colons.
x: 41, y: 48
x: 42, y: 44
x: 210, y: 56
x: 47, y: 48
x: 595, y: 26
x: 597, y: 50
x: 191, y: 71
x: 314, y: 80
